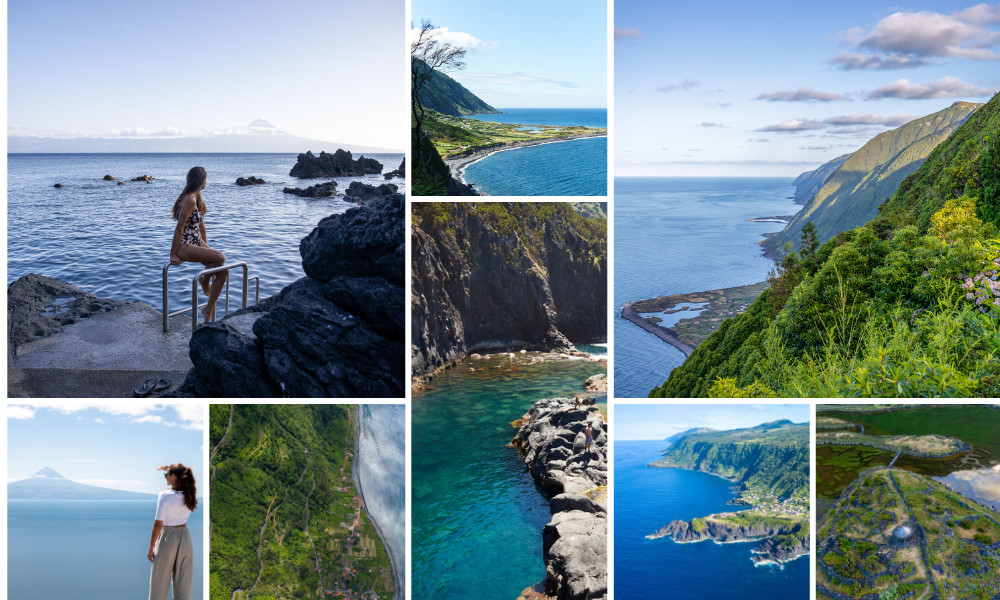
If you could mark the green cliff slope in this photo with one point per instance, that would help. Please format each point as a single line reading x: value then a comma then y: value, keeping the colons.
x: 903, y: 306
x: 851, y: 196
x: 449, y: 97
x: 770, y: 458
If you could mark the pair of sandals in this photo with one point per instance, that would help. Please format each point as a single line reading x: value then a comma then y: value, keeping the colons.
x: 152, y: 385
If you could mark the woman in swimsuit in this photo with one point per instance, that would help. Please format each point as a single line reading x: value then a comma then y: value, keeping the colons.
x: 170, y: 548
x: 190, y: 242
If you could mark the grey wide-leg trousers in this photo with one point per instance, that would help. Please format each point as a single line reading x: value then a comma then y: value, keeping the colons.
x: 173, y: 559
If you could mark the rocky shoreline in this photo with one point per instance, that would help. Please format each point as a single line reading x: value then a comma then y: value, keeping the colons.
x: 769, y: 550
x: 458, y: 164
x: 574, y: 542
x: 629, y: 313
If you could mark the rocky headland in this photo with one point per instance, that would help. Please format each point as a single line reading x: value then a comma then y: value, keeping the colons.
x: 499, y: 281
x: 772, y: 548
x: 338, y: 332
x: 339, y: 164
x: 574, y: 542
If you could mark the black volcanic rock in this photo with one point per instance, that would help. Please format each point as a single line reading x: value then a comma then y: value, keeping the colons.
x: 400, y: 172
x: 244, y: 181
x: 338, y: 164
x: 38, y: 306
x: 362, y: 192
x: 338, y: 332
x: 320, y: 190
x: 108, y: 178
x: 146, y: 178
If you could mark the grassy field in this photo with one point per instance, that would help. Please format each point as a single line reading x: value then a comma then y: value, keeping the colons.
x: 456, y: 135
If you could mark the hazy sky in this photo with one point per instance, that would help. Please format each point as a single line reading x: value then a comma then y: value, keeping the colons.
x: 115, y: 445
x: 776, y: 88
x: 333, y: 70
x: 660, y: 421
x: 525, y: 53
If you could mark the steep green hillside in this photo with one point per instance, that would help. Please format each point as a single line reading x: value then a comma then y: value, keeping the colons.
x: 286, y: 518
x: 809, y: 183
x: 851, y: 196
x: 903, y: 306
x: 772, y: 458
x: 447, y: 96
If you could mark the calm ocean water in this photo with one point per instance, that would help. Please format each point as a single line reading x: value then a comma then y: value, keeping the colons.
x: 477, y: 515
x: 113, y: 240
x: 382, y: 471
x: 646, y: 499
x: 679, y: 235
x: 574, y: 168
x: 86, y: 549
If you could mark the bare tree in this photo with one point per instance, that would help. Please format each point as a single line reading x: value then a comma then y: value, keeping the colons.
x: 429, y: 54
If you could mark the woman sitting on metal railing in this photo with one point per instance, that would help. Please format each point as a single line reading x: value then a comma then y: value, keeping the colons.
x: 190, y: 242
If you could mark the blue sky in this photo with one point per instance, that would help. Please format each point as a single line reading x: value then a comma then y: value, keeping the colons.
x: 115, y: 445
x: 776, y: 88
x: 660, y: 421
x: 331, y: 70
x: 527, y: 54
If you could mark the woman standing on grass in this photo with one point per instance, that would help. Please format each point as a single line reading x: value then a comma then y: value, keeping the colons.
x: 170, y: 548
x: 190, y: 242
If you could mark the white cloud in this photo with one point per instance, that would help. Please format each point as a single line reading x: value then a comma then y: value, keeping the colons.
x: 870, y: 119
x: 515, y: 79
x: 149, y: 419
x: 20, y: 412
x: 928, y: 33
x: 630, y: 34
x: 850, y: 61
x: 793, y: 125
x: 117, y: 484
x: 711, y: 124
x: 467, y: 41
x: 192, y: 415
x: 803, y: 94
x: 981, y: 13
x: 946, y: 87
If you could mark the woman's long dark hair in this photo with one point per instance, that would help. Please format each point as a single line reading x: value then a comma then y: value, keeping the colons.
x: 184, y: 483
x: 195, y: 178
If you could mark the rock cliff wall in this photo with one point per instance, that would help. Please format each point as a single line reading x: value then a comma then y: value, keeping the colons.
x: 480, y: 286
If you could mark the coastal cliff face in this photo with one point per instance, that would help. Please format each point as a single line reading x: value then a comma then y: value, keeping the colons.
x: 499, y: 276
x: 574, y: 542
x: 338, y: 332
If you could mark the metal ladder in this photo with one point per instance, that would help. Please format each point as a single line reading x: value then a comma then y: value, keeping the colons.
x: 194, y: 292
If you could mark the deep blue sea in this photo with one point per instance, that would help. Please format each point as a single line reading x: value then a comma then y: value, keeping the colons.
x: 477, y: 515
x: 646, y: 499
x: 382, y: 474
x: 683, y: 234
x: 86, y: 549
x: 586, y: 117
x: 113, y: 240
x: 573, y: 168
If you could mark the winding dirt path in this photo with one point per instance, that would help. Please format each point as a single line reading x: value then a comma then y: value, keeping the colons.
x: 216, y: 448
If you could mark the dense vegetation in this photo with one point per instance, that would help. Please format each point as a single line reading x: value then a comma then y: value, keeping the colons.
x: 902, y: 306
x: 851, y: 195
x: 282, y: 480
x: 528, y: 222
x: 771, y: 458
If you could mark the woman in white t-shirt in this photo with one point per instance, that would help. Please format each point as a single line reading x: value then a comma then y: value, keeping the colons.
x: 170, y: 548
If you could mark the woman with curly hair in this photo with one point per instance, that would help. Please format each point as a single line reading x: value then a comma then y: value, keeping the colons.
x: 170, y: 548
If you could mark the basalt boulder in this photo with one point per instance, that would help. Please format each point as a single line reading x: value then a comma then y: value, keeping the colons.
x: 320, y: 190
x: 338, y: 332
x: 400, y: 172
x: 245, y: 181
x: 362, y: 192
x: 339, y: 164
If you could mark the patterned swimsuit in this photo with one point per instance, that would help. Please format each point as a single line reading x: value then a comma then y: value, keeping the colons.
x: 192, y: 232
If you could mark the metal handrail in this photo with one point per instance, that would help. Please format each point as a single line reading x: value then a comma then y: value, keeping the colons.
x: 194, y: 292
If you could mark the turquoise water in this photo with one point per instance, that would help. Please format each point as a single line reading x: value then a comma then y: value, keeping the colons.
x: 573, y: 168
x: 477, y: 515
x: 676, y: 235
x: 86, y: 549
x: 586, y: 117
x: 113, y: 240
x: 646, y: 499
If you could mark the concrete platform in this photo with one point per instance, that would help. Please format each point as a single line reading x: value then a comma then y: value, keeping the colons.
x: 107, y: 355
